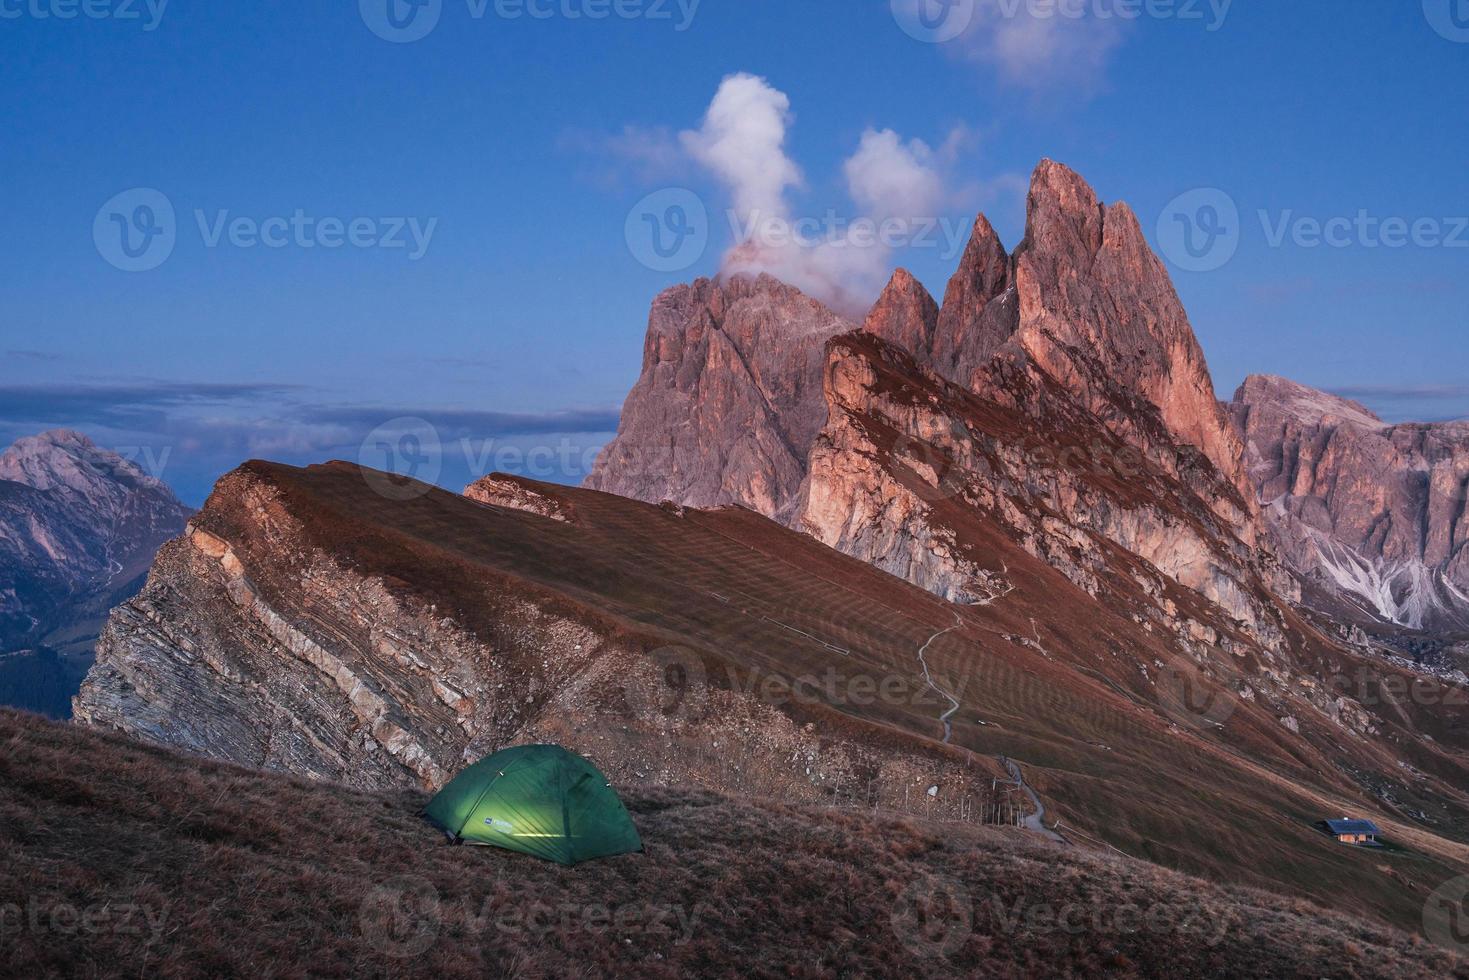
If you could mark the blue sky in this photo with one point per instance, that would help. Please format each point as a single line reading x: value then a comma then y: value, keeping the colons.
x: 521, y: 144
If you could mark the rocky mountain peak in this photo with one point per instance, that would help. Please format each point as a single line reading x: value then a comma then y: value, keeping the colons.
x: 67, y: 460
x: 79, y: 526
x: 979, y: 312
x: 1306, y: 405
x: 1098, y: 314
x: 905, y: 315
x: 1370, y: 512
x: 729, y: 399
x: 1063, y: 218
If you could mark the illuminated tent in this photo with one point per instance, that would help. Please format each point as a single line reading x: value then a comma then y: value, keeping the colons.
x: 540, y: 800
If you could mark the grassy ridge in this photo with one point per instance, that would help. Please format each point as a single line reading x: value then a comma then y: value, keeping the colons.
x: 127, y: 860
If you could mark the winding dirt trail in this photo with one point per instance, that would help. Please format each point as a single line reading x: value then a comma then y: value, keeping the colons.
x: 928, y: 679
x: 1035, y: 821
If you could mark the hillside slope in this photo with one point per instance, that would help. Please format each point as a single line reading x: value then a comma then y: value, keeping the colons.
x: 127, y: 860
x: 311, y: 624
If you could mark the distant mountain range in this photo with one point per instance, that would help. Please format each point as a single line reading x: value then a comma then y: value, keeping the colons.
x: 1371, y: 513
x: 79, y: 527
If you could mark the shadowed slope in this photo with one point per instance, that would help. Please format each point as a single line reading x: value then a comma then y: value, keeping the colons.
x: 182, y: 867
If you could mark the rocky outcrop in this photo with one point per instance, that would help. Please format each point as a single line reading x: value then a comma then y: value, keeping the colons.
x: 980, y: 310
x: 1097, y: 314
x: 1366, y: 510
x: 729, y: 398
x: 905, y: 315
x: 79, y: 526
x: 502, y: 491
x: 1077, y: 336
x: 306, y: 624
x: 908, y: 461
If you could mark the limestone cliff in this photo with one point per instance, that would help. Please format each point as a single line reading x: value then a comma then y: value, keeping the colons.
x: 1370, y: 511
x: 729, y: 398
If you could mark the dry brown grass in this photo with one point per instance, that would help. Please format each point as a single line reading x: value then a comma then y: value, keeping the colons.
x: 127, y: 860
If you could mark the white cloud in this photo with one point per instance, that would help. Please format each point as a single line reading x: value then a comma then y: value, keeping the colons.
x: 742, y: 143
x: 846, y: 263
x: 1039, y: 52
x: 890, y: 178
x: 1040, y: 46
x: 639, y: 154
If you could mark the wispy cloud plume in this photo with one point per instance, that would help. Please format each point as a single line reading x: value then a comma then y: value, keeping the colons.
x: 1042, y: 46
x: 1403, y: 393
x: 637, y: 154
x: 742, y: 143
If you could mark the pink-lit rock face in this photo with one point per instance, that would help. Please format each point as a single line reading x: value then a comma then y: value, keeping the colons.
x: 729, y: 398
x: 905, y: 315
x: 1096, y: 312
x: 1080, y: 328
x: 1365, y: 509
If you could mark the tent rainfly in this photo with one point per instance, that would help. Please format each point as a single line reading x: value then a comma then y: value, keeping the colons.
x: 540, y: 800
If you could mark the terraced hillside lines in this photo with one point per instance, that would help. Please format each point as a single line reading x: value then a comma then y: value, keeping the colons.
x: 472, y: 623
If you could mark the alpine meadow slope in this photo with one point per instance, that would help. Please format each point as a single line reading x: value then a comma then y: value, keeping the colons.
x: 845, y: 566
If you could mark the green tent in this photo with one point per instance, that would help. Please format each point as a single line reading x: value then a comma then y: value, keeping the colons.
x: 540, y: 800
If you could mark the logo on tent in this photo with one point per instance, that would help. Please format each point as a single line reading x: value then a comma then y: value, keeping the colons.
x: 503, y: 826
